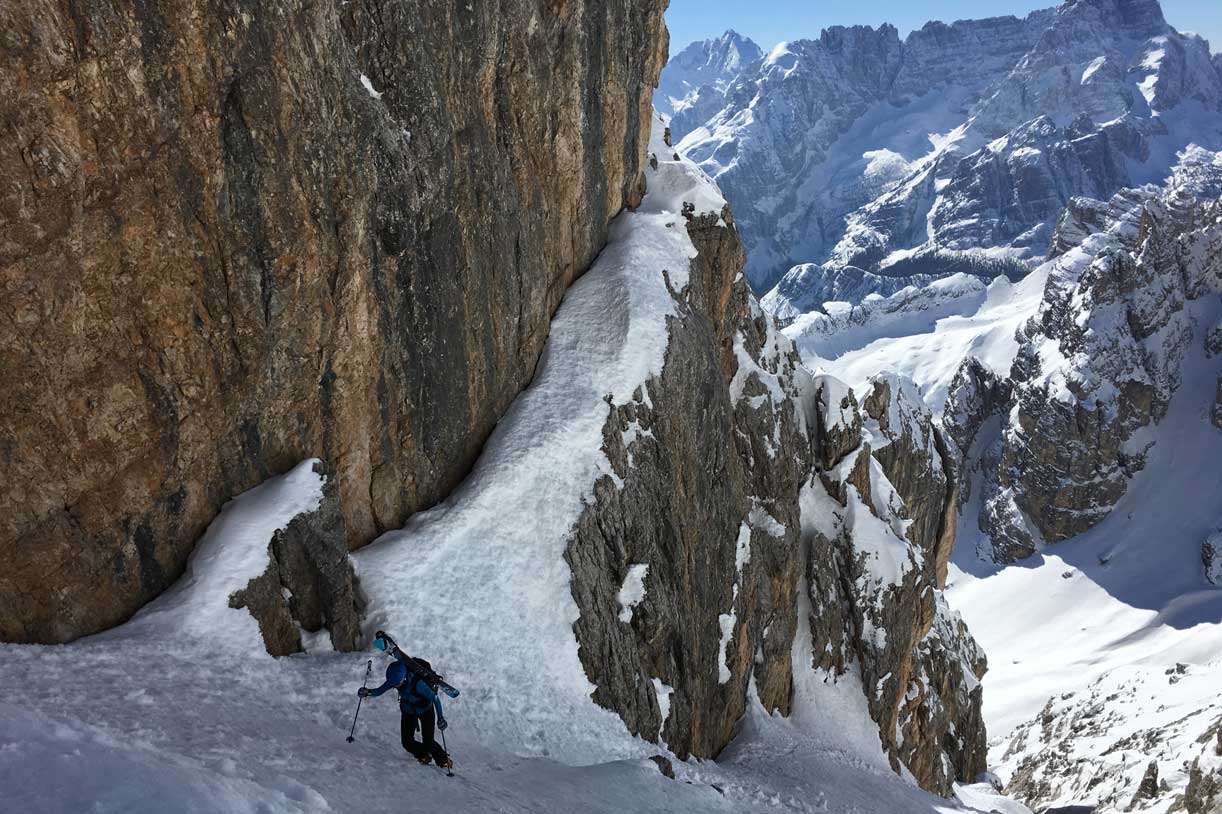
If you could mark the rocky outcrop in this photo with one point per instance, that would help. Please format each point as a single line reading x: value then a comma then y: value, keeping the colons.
x: 1148, y: 788
x: 309, y: 586
x: 914, y: 455
x: 735, y: 479
x: 237, y: 235
x: 1211, y: 558
x: 1203, y: 795
x: 706, y: 465
x: 877, y: 556
x: 1216, y: 414
x: 1099, y: 361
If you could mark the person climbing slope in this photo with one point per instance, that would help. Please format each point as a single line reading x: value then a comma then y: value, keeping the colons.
x: 418, y: 703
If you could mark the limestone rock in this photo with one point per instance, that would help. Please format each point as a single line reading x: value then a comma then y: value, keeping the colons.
x: 309, y: 584
x: 1216, y: 413
x: 1213, y: 340
x: 664, y: 766
x: 839, y: 421
x: 1099, y: 361
x: 873, y: 576
x: 707, y: 463
x: 915, y: 457
x: 1203, y: 794
x: 235, y: 237
x: 1148, y: 789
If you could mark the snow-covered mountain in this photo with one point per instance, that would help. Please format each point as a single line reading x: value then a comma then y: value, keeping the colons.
x: 1079, y: 407
x: 696, y: 78
x: 954, y: 149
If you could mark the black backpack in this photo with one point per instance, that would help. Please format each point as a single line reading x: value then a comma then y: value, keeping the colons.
x: 419, y: 667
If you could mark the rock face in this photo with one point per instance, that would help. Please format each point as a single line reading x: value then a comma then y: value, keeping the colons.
x: 1098, y: 362
x: 737, y: 481
x: 1084, y: 99
x: 1216, y: 414
x: 709, y: 460
x: 881, y: 523
x: 1148, y: 788
x: 1203, y: 795
x: 240, y: 235
x: 1211, y: 558
x: 308, y: 585
x: 916, y: 461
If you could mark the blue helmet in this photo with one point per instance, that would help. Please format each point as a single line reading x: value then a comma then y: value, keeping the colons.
x: 379, y: 643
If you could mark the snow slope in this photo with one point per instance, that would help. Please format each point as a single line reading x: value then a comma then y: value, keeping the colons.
x: 1128, y: 598
x: 181, y: 709
x: 1132, y: 590
x: 494, y: 550
x: 923, y: 334
x: 154, y: 726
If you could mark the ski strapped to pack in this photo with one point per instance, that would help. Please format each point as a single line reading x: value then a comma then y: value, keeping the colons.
x: 421, y: 668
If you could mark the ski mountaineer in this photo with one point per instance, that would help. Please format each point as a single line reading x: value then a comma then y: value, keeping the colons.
x: 418, y: 705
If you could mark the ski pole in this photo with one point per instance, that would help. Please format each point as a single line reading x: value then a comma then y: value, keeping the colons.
x: 446, y: 749
x: 361, y: 700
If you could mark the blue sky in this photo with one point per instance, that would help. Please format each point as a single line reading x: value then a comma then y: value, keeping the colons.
x: 771, y: 21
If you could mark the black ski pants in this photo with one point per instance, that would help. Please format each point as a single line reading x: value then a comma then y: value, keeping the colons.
x: 426, y: 720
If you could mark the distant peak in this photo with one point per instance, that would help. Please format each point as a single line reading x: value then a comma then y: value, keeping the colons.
x: 1142, y: 16
x: 745, y: 45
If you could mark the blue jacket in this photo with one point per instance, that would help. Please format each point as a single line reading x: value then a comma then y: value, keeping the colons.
x: 415, y: 696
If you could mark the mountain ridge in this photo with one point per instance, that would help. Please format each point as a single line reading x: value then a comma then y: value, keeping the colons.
x: 837, y: 152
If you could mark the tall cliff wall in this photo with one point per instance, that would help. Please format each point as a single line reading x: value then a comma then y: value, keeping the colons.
x: 737, y: 482
x: 234, y: 235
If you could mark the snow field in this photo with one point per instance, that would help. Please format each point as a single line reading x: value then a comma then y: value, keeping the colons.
x: 1131, y: 591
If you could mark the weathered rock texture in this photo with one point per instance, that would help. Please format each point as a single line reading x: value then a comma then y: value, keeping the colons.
x: 916, y: 460
x: 1203, y: 794
x: 221, y: 254
x: 737, y: 480
x: 709, y: 460
x: 885, y: 512
x: 1099, y: 361
x: 308, y: 584
x: 1211, y: 558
